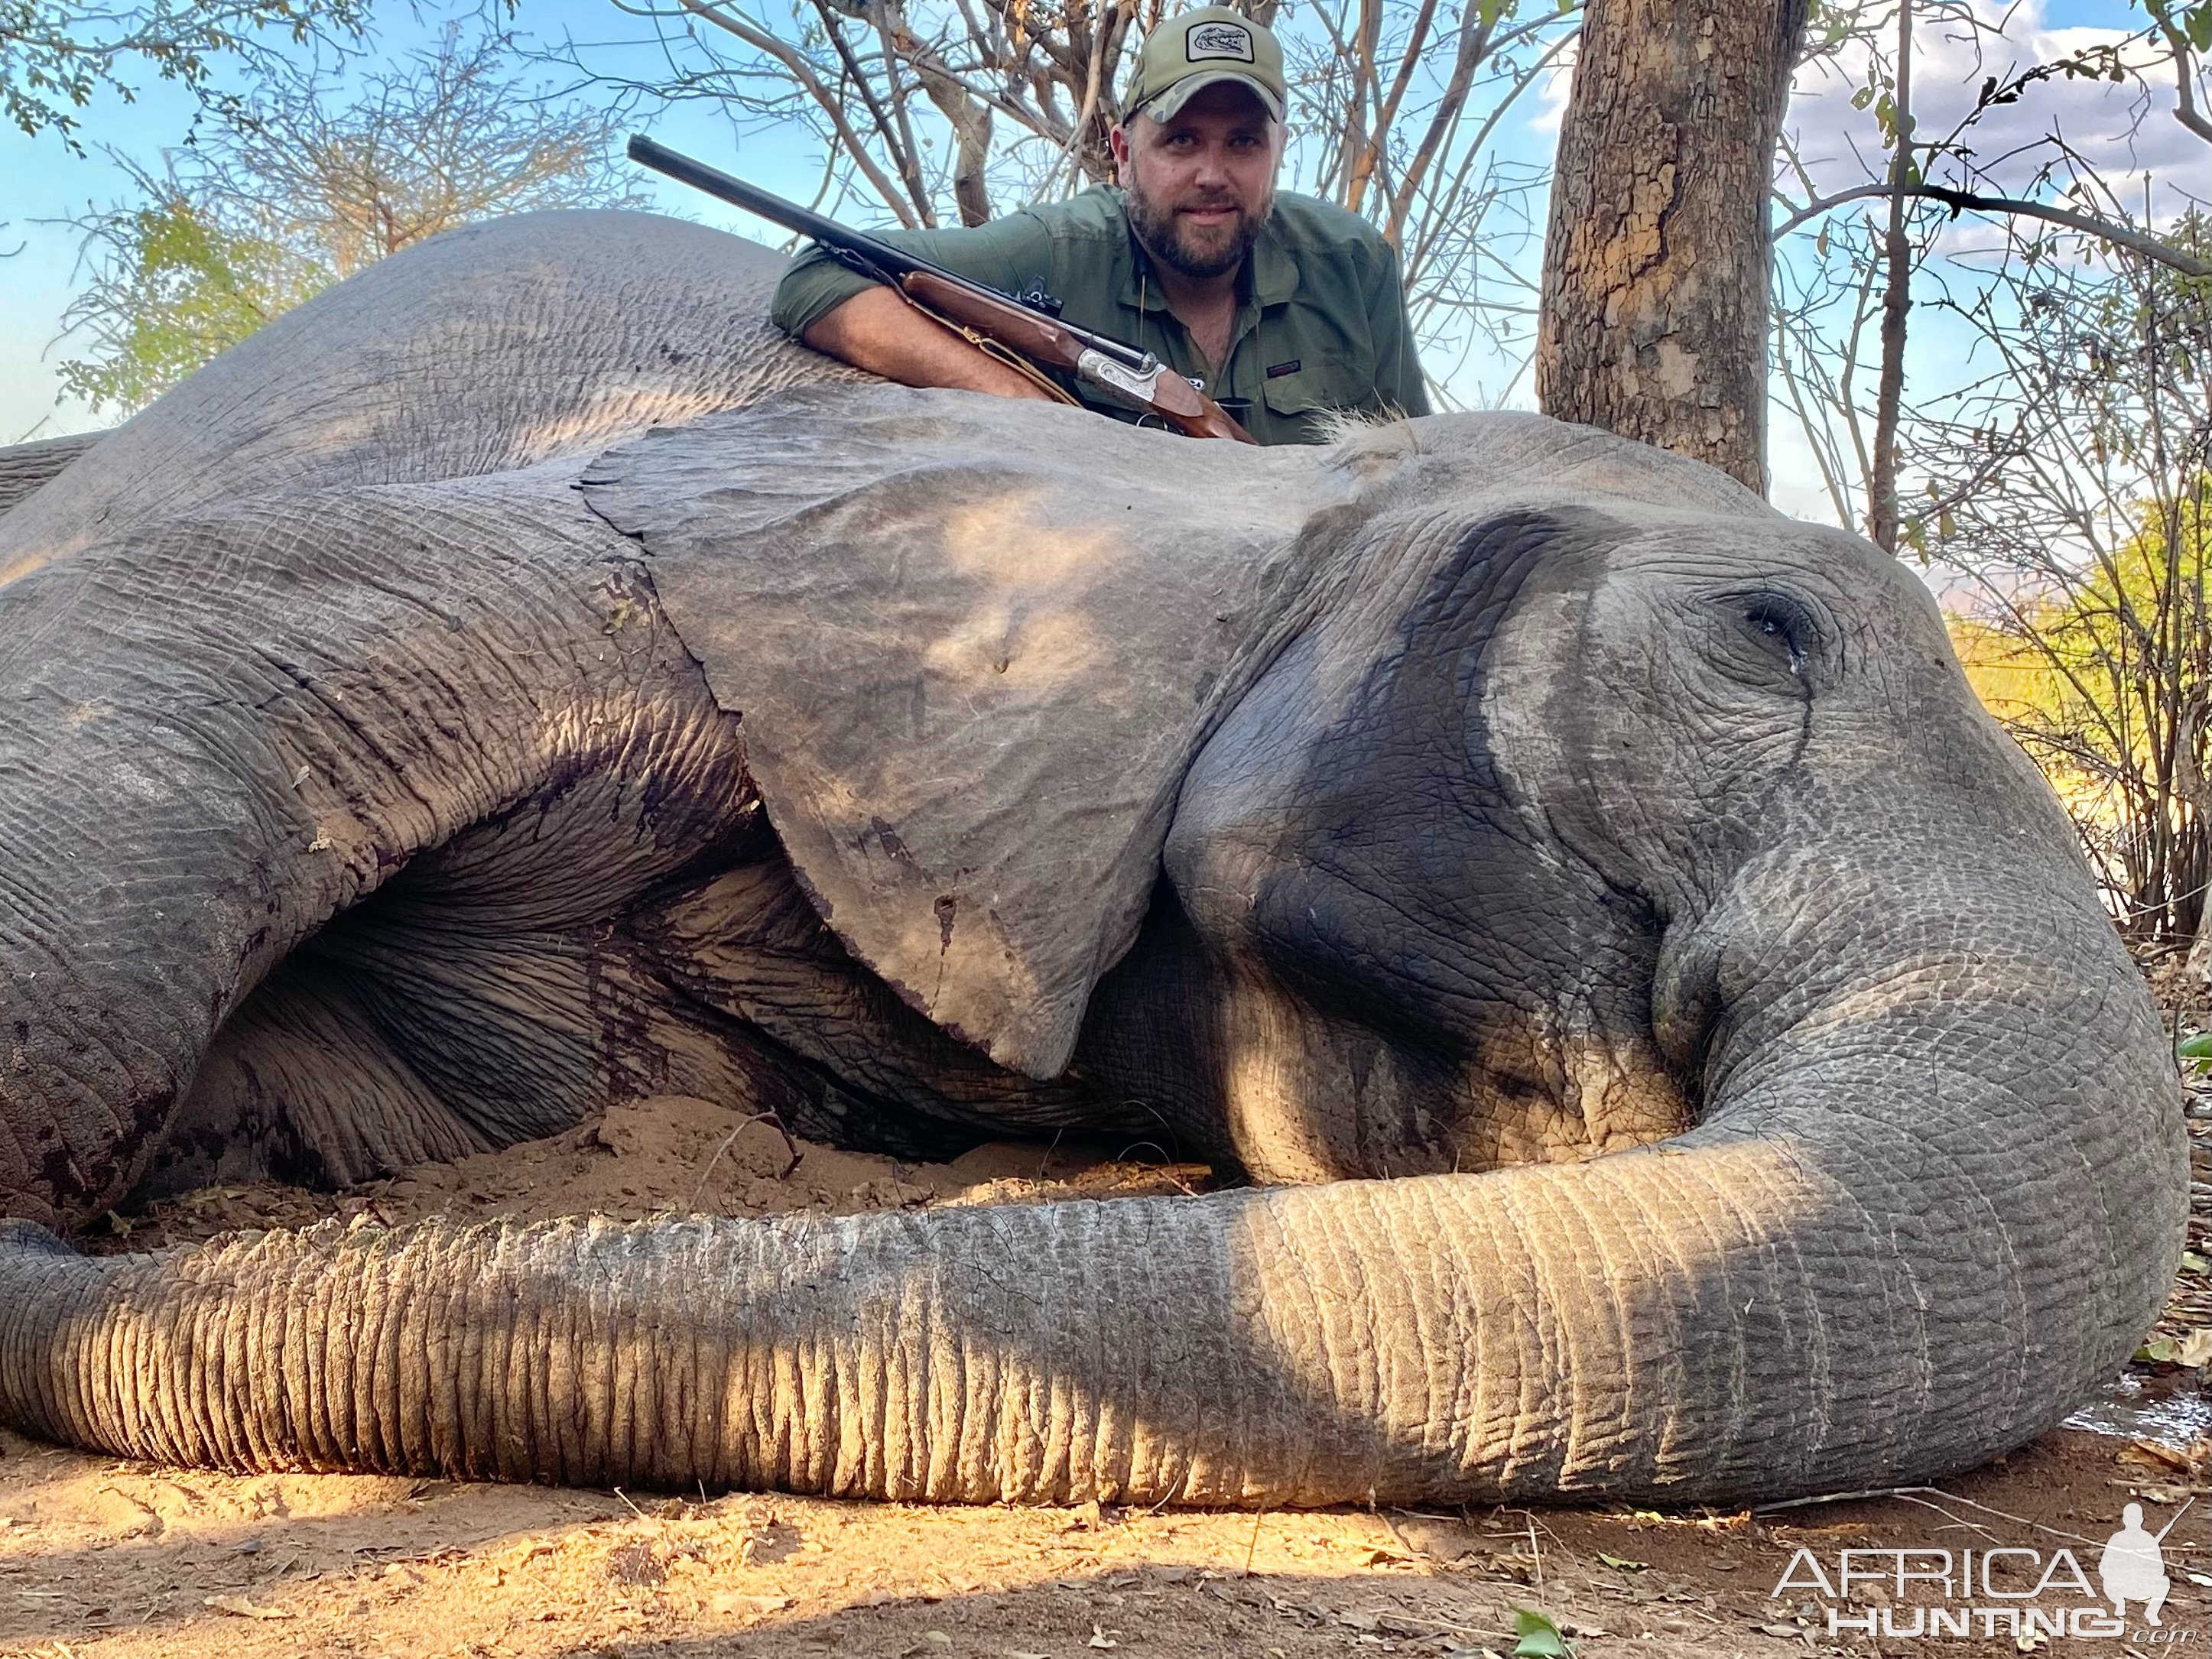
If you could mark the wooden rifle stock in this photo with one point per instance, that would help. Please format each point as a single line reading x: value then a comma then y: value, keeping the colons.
x: 1120, y: 371
x: 1042, y: 339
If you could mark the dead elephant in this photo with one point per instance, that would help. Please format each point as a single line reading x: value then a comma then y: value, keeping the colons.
x: 1677, y: 1050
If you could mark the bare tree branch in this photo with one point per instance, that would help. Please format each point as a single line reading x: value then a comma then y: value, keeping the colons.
x: 2120, y: 235
x: 2185, y: 78
x: 1896, y: 301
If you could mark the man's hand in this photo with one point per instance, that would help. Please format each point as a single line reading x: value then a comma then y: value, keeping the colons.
x: 876, y: 330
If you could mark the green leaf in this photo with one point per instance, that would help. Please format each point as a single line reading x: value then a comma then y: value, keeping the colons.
x: 2195, y: 22
x: 2198, y: 1046
x: 2160, y: 1351
x: 2190, y: 1261
x: 1620, y: 1565
x: 1538, y: 1637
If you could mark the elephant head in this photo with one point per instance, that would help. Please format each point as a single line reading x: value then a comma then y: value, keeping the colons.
x: 1679, y: 1051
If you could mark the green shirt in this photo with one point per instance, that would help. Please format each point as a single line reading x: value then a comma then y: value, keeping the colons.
x: 1321, y: 324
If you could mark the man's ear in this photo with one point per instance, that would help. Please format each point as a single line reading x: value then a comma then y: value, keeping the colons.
x: 1117, y: 140
x: 975, y: 643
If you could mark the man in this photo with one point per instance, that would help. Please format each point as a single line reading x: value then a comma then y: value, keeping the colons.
x: 1282, y: 307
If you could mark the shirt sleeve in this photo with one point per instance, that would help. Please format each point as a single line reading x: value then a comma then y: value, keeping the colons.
x: 815, y: 286
x: 1004, y: 254
x: 1398, y: 378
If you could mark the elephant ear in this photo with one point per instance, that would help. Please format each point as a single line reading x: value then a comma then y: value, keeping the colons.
x: 974, y: 643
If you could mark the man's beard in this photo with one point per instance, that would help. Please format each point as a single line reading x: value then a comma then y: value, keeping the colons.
x: 1164, y: 236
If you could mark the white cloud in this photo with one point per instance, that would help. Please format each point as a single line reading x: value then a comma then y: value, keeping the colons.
x: 2125, y: 131
x: 1551, y: 92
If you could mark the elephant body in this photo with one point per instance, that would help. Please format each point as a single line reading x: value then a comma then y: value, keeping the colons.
x: 1676, y: 1049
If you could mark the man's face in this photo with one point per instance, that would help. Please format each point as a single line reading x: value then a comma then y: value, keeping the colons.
x: 1202, y: 184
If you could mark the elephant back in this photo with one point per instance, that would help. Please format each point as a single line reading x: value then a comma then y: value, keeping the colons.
x: 493, y: 347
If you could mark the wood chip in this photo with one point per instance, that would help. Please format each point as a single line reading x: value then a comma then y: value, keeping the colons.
x: 239, y: 1608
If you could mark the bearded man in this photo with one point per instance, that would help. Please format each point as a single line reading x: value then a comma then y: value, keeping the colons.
x: 1282, y: 307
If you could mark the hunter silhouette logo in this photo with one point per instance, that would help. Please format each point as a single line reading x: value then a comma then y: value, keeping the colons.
x: 2133, y: 1565
x: 1218, y: 40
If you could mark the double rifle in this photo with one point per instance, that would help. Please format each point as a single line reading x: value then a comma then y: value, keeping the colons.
x: 1023, y: 331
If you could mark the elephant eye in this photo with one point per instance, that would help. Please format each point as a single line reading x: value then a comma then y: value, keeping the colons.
x: 1776, y: 625
x: 1780, y: 628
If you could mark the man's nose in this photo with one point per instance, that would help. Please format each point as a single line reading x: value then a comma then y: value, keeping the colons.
x: 1213, y: 165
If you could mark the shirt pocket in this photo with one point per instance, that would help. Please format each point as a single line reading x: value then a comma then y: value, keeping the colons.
x: 1309, y: 394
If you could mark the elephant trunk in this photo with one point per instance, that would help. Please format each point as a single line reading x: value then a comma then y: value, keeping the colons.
x: 1880, y: 1258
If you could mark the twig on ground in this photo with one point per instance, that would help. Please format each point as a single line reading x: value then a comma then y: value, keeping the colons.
x: 1172, y: 1492
x: 730, y: 1140
x: 1920, y: 1495
x: 1413, y: 1552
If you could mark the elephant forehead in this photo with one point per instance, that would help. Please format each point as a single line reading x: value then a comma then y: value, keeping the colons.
x: 1697, y: 553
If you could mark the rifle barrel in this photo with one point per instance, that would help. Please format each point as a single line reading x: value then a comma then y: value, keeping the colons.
x: 890, y: 263
x: 755, y: 200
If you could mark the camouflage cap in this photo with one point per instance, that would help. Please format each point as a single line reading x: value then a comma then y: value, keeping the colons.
x: 1200, y: 48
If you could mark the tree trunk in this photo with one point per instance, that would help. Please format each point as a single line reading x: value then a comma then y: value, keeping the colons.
x: 1655, y: 263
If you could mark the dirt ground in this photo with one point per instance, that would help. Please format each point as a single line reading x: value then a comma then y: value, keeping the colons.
x: 121, y: 1560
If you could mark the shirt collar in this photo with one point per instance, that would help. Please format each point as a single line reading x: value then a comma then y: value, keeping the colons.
x: 1274, y: 274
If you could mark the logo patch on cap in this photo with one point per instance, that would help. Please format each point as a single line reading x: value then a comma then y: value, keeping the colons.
x: 1212, y: 41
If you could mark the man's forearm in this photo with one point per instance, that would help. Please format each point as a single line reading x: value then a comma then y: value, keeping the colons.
x: 877, y: 331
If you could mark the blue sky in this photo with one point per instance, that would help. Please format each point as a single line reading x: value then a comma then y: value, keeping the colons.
x: 48, y: 184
